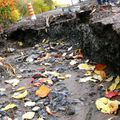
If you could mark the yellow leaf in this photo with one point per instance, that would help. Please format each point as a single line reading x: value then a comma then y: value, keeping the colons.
x: 28, y: 115
x: 20, y: 95
x: 88, y: 73
x: 114, y: 85
x: 85, y: 66
x: 43, y: 91
x: 107, y: 106
x: 9, y: 106
x: 49, y: 82
x: 20, y: 89
x: 61, y: 77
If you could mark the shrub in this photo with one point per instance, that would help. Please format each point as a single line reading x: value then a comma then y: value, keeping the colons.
x: 8, y: 12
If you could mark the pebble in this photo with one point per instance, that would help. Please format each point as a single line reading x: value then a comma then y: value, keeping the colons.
x: 29, y: 103
x: 36, y: 108
x: 70, y: 110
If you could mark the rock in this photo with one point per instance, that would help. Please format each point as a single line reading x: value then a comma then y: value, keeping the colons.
x: 70, y: 110
x: 29, y: 103
x: 36, y: 108
x: 28, y: 115
x: 51, y: 118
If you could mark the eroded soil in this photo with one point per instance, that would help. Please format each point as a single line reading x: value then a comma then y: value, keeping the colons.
x: 69, y: 98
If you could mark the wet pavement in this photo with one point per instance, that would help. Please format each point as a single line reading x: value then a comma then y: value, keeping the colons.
x: 54, y: 65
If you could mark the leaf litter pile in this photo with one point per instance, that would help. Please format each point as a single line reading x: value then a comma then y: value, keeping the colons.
x: 35, y: 88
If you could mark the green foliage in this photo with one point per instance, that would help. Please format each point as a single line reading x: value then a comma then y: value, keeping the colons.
x: 39, y: 6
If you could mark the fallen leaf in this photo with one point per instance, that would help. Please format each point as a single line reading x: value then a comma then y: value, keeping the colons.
x: 103, y: 75
x: 111, y: 94
x: 28, y: 115
x: 114, y: 85
x: 54, y: 73
x: 107, y: 106
x: 40, y: 118
x: 18, y: 95
x: 61, y: 77
x: 73, y: 62
x: 49, y: 81
x: 100, y: 74
x: 37, y: 84
x: 10, y: 68
x: 86, y: 79
x: 85, y: 66
x: 13, y: 82
x: 68, y: 75
x: 43, y: 91
x: 88, y: 73
x: 20, y: 89
x: 9, y: 106
x: 97, y: 77
x: 109, y: 79
x: 48, y: 110
x: 2, y: 59
x: 100, y: 67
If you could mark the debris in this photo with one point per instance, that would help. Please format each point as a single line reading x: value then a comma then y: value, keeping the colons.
x: 28, y: 116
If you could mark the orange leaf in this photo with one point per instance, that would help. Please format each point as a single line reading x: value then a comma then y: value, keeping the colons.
x: 103, y: 74
x: 100, y: 67
x: 43, y: 91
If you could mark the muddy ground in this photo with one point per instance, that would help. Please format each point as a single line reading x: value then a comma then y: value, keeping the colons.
x: 69, y: 98
x: 51, y: 52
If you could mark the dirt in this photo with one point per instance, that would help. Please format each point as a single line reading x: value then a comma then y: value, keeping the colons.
x: 69, y: 98
x: 80, y: 98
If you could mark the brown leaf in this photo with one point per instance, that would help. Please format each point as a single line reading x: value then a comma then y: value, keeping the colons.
x: 48, y: 110
x: 103, y: 74
x: 10, y: 68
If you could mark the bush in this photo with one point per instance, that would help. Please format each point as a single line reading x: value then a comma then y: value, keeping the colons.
x: 8, y: 12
